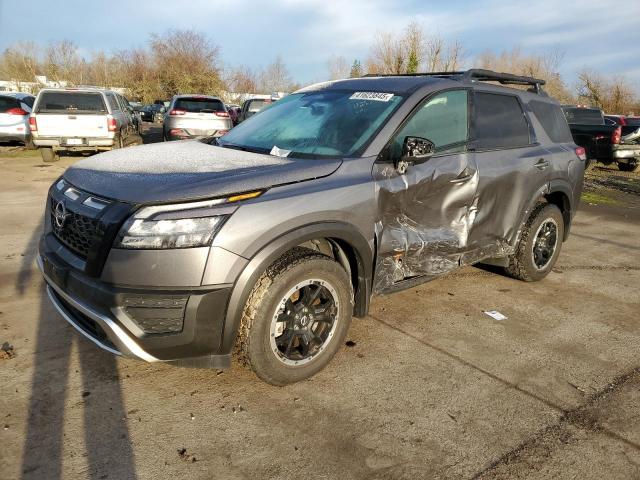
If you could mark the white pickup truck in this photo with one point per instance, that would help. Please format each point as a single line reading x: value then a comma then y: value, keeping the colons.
x: 85, y: 120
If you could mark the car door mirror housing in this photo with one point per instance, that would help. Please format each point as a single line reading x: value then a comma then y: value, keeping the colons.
x: 415, y: 150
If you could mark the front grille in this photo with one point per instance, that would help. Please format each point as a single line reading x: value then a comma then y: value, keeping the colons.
x: 78, y: 232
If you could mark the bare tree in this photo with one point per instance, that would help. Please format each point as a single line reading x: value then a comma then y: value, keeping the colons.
x: 613, y: 95
x: 338, y: 67
x: 20, y: 63
x: 242, y: 79
x: 413, y: 51
x: 544, y: 67
x: 62, y: 63
x: 186, y: 62
x: 275, y: 77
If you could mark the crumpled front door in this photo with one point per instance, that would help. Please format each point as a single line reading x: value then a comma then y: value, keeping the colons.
x: 425, y: 218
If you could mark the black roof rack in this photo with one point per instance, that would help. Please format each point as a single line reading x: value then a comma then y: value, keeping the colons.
x: 476, y: 74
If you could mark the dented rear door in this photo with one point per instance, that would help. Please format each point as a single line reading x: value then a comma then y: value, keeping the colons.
x: 425, y: 214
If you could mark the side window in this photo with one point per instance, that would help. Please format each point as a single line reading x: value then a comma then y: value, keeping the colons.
x: 443, y: 119
x: 499, y: 122
x: 113, y: 103
x: 553, y: 121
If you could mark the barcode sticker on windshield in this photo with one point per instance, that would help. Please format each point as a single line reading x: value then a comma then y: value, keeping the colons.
x: 375, y: 96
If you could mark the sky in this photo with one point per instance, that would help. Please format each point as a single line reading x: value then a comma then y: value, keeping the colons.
x: 598, y: 34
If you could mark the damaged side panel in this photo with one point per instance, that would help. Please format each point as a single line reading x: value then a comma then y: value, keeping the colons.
x: 425, y: 217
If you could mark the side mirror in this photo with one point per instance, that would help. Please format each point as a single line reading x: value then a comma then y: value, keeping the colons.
x: 415, y: 150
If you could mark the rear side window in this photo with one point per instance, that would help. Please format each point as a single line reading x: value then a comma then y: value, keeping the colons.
x: 113, y: 102
x: 584, y: 116
x: 28, y: 101
x: 499, y: 122
x: 7, y: 103
x: 199, y: 105
x: 553, y: 121
x: 633, y: 122
x: 74, y: 102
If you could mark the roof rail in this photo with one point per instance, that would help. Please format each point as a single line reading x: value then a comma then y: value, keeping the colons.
x: 479, y: 75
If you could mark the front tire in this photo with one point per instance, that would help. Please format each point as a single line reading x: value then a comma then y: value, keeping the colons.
x: 539, y: 245
x: 296, y: 317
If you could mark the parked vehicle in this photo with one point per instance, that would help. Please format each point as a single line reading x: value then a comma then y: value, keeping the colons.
x: 627, y: 153
x: 14, y: 117
x: 152, y: 113
x: 601, y: 137
x: 84, y: 120
x: 273, y: 236
x: 252, y: 106
x: 195, y: 116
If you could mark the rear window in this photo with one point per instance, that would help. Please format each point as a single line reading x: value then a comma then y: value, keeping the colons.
x: 74, y: 102
x: 553, y: 121
x: 7, y: 103
x: 199, y: 105
x: 499, y: 122
x: 257, y: 105
x: 583, y: 116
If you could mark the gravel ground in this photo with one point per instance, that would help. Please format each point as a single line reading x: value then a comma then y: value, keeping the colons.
x: 427, y: 385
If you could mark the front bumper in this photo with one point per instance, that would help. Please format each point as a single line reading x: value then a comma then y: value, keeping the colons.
x: 99, y: 311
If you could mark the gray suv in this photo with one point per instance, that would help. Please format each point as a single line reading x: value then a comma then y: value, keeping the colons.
x: 267, y: 241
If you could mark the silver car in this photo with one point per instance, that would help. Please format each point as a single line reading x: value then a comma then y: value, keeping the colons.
x: 14, y: 117
x: 195, y: 116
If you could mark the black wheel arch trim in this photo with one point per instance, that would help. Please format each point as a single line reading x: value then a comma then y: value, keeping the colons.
x: 544, y: 192
x: 272, y: 251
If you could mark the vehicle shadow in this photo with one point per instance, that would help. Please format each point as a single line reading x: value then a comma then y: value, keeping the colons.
x: 51, y: 443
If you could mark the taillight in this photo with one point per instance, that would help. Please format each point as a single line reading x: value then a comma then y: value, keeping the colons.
x: 177, y: 111
x: 220, y: 133
x: 222, y: 114
x: 111, y: 124
x: 581, y: 153
x: 616, y: 136
x: 33, y: 124
x: 17, y: 111
x: 622, y: 121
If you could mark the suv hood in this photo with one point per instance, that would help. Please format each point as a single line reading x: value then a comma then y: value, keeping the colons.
x: 188, y: 170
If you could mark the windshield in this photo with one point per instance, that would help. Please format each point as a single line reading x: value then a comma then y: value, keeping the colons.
x: 74, y: 102
x: 315, y: 124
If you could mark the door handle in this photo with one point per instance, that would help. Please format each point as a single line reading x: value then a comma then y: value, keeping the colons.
x: 542, y: 164
x: 463, y: 176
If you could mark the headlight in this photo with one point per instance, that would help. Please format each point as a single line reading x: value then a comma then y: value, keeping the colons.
x: 175, y: 233
x: 181, y: 225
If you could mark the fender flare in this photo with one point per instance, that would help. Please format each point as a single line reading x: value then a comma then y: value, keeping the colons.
x: 554, y: 186
x: 269, y: 253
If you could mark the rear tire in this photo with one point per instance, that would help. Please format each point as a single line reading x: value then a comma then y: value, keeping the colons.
x: 49, y: 155
x: 539, y: 245
x: 284, y: 338
x: 117, y: 141
x: 627, y: 167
